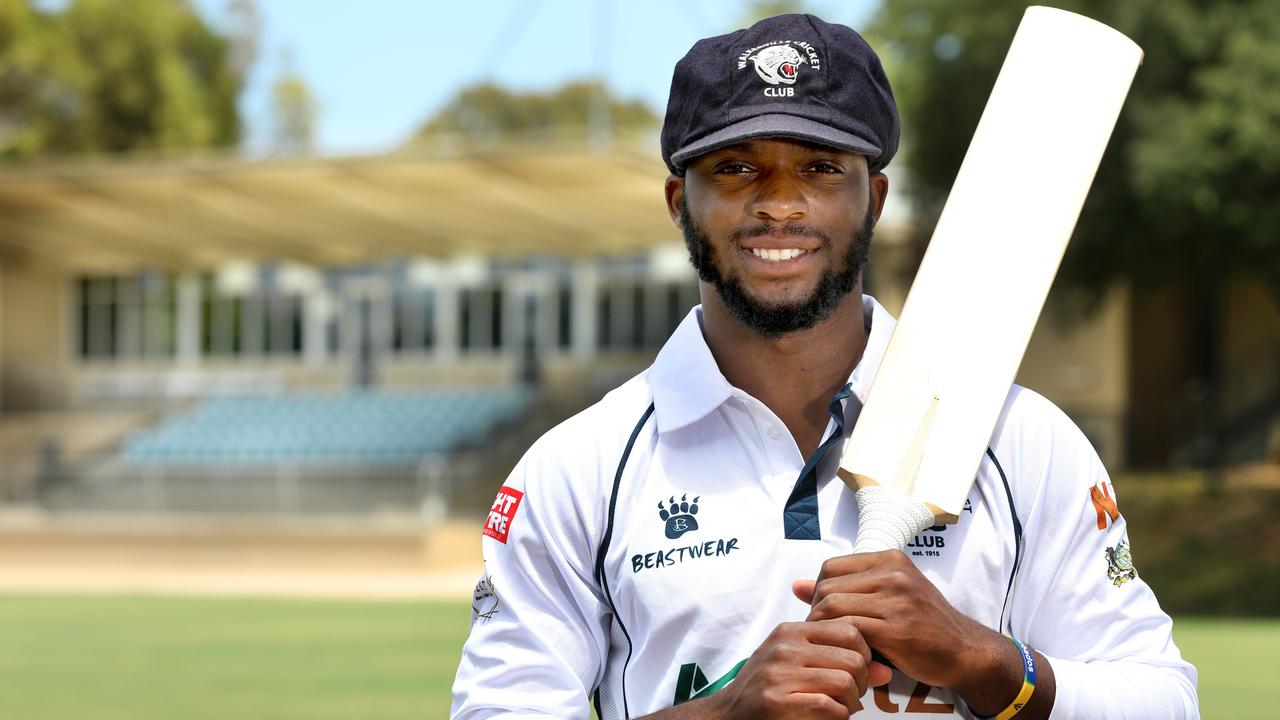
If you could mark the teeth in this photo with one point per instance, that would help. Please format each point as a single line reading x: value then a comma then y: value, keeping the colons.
x: 774, y: 255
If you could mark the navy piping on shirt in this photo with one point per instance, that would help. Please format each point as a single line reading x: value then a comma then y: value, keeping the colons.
x: 604, y: 548
x: 1017, y: 537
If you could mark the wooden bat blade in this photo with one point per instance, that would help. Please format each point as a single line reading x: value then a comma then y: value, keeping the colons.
x: 988, y: 268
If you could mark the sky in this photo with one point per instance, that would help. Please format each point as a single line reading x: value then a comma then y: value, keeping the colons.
x: 380, y: 68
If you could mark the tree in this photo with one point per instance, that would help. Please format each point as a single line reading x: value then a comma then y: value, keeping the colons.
x: 486, y: 114
x: 293, y: 110
x: 1186, y: 192
x: 1193, y: 154
x: 114, y: 76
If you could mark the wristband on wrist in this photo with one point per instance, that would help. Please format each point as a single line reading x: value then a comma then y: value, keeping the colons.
x: 1028, y: 684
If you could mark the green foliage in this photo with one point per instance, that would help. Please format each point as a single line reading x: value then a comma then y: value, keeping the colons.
x: 113, y: 76
x: 295, y: 112
x: 1190, y: 175
x: 1204, y: 555
x: 486, y: 114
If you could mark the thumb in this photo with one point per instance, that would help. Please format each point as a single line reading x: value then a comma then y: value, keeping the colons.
x: 878, y: 674
x: 804, y: 589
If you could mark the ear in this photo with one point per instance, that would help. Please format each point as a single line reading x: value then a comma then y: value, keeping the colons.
x: 879, y: 184
x: 674, y: 189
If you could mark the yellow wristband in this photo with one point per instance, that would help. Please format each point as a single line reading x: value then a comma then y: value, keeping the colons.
x: 1028, y: 684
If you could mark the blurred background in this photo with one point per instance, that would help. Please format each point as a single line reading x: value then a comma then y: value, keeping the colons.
x: 286, y: 289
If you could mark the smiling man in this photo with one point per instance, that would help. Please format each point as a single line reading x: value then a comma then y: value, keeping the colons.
x: 681, y: 549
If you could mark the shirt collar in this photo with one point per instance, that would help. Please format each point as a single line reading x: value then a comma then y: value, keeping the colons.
x: 688, y: 385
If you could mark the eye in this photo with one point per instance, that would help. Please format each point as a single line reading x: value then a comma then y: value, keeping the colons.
x: 826, y: 168
x: 732, y: 167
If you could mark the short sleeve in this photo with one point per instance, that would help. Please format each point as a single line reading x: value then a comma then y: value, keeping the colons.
x: 539, y: 625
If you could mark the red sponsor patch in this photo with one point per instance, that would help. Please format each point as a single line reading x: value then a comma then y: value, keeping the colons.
x: 498, y: 524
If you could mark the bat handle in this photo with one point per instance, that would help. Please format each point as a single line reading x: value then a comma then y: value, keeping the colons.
x: 888, y: 519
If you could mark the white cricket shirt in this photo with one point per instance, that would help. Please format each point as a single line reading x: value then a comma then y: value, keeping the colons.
x: 643, y: 549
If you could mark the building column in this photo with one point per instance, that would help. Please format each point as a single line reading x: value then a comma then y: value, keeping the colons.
x: 586, y: 278
x: 190, y: 320
x: 446, y: 321
x: 317, y: 309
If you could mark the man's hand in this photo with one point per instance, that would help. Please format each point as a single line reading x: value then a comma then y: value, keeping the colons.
x: 802, y: 670
x: 899, y: 612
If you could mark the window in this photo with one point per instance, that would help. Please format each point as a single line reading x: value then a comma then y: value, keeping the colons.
x: 127, y: 317
x: 413, y: 324
x: 480, y: 318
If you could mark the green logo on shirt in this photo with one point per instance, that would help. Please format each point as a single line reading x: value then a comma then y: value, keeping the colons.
x: 692, y: 682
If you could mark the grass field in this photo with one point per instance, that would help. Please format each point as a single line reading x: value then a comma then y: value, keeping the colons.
x: 144, y: 658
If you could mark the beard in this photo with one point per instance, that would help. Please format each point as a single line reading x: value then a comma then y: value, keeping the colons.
x: 774, y: 319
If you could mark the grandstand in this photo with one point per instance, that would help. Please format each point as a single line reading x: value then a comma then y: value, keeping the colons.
x: 371, y: 427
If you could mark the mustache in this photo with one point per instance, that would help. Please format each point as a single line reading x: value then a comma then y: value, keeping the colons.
x: 789, y: 229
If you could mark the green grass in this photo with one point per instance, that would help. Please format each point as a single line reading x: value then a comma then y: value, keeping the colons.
x: 103, y: 658
x: 144, y: 658
x: 1237, y: 660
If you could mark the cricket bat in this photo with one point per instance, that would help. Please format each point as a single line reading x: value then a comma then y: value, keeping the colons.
x: 918, y: 442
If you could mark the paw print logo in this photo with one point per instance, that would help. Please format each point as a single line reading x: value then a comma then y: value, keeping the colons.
x: 679, y: 515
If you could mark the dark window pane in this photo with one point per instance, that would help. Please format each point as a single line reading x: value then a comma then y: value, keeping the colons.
x: 637, y: 316
x: 82, y: 305
x: 398, y: 321
x: 564, y: 335
x: 495, y: 310
x: 429, y: 319
x: 604, y: 318
x: 464, y: 320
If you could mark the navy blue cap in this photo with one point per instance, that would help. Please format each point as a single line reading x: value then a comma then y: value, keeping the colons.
x: 792, y: 76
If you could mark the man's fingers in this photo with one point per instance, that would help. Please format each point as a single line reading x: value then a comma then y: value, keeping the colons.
x: 887, y: 578
x: 841, y: 632
x: 860, y: 563
x: 878, y: 674
x: 819, y: 705
x: 846, y: 604
x: 837, y: 685
x: 803, y: 589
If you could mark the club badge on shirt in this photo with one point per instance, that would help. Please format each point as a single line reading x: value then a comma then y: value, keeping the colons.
x: 484, y: 601
x: 1120, y: 568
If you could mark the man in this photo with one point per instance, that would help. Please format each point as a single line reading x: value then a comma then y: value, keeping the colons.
x: 681, y: 549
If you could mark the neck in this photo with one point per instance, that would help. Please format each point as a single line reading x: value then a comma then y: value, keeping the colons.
x: 794, y: 374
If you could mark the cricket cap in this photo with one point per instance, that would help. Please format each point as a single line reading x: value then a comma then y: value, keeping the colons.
x: 792, y: 76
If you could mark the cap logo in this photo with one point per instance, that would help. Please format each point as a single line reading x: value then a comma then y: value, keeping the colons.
x: 778, y: 63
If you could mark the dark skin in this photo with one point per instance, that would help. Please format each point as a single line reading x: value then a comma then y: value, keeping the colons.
x: 821, y: 667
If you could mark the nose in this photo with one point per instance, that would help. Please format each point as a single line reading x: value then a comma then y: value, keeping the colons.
x: 780, y: 199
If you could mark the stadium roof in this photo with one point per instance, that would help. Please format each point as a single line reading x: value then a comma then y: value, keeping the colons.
x: 198, y: 214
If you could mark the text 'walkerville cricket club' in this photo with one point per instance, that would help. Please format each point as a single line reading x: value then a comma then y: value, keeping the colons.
x: 779, y: 63
x: 679, y: 517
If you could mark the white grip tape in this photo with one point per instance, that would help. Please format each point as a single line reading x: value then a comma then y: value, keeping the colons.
x: 888, y: 519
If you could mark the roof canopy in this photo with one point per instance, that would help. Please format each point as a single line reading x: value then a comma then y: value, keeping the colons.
x: 196, y: 214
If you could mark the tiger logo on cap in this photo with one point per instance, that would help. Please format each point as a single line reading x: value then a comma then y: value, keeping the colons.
x: 778, y: 64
